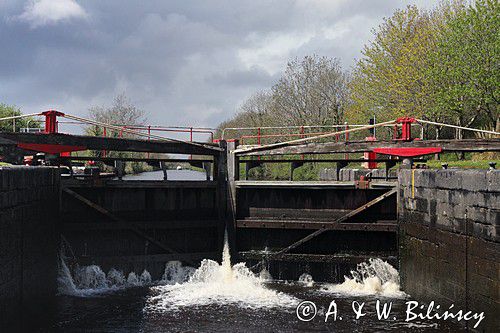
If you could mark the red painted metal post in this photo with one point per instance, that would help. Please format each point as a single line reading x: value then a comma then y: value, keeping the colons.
x: 51, y: 120
x: 346, y: 139
x: 370, y: 155
x: 104, y: 134
x: 191, y: 140
x: 258, y: 140
x: 406, y: 131
x: 149, y: 136
x: 302, y: 136
x: 405, y: 128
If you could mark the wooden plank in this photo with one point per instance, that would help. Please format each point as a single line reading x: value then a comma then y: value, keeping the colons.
x: 326, y: 225
x: 233, y: 174
x: 330, y: 258
x: 221, y: 201
x: 308, y: 184
x: 91, y: 204
x: 132, y: 159
x: 335, y: 160
x: 323, y: 214
x: 76, y: 183
x: 465, y: 145
x: 192, y: 258
x: 115, y: 218
x: 115, y: 144
x: 339, y: 220
x: 6, y: 142
x: 146, y: 225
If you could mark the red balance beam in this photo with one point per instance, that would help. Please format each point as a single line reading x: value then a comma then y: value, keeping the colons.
x: 408, y: 151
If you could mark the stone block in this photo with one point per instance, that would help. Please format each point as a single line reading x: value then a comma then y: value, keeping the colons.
x: 492, y: 200
x: 328, y: 174
x: 485, y: 231
x: 404, y: 177
x: 473, y: 180
x: 421, y: 205
x: 476, y: 199
x: 444, y: 209
x: 447, y: 179
x: 492, y: 217
x: 457, y: 196
x: 493, y: 177
x: 459, y: 211
x: 477, y: 214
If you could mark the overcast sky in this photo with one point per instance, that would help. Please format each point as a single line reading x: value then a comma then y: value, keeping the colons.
x: 182, y: 62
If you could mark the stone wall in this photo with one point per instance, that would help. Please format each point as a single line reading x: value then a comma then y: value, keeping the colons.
x: 346, y: 174
x: 29, y: 204
x: 449, y: 239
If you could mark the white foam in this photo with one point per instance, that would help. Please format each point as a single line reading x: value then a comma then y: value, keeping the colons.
x: 306, y: 279
x: 217, y: 283
x: 375, y: 277
x: 65, y: 284
x: 132, y: 279
x: 116, y: 277
x: 91, y: 280
x: 176, y: 273
x: 145, y: 278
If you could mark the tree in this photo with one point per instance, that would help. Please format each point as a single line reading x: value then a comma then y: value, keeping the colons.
x: 465, y: 66
x: 312, y: 91
x: 254, y: 112
x: 121, y: 112
x: 440, y: 64
x: 8, y: 125
x: 389, y: 80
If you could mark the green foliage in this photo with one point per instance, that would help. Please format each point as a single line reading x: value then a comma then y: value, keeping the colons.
x: 465, y: 66
x: 388, y: 80
x: 440, y: 64
x: 8, y: 125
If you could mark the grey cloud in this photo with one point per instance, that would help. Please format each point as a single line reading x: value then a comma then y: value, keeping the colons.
x: 255, y: 77
x: 183, y: 62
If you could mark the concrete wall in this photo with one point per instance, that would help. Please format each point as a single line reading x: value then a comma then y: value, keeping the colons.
x: 449, y: 239
x: 29, y: 204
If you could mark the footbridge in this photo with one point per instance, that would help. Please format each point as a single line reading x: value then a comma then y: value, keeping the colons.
x: 284, y: 226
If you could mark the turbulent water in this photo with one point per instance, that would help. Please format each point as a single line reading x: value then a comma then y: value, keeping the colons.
x: 224, y: 298
x: 214, y: 283
x: 375, y: 277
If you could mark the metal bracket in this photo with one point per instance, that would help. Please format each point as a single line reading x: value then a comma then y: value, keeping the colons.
x: 294, y: 165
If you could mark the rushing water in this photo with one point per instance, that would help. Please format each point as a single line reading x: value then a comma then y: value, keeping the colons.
x: 223, y: 298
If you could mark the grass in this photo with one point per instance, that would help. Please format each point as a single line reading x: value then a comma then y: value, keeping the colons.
x: 467, y: 164
x: 310, y: 171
